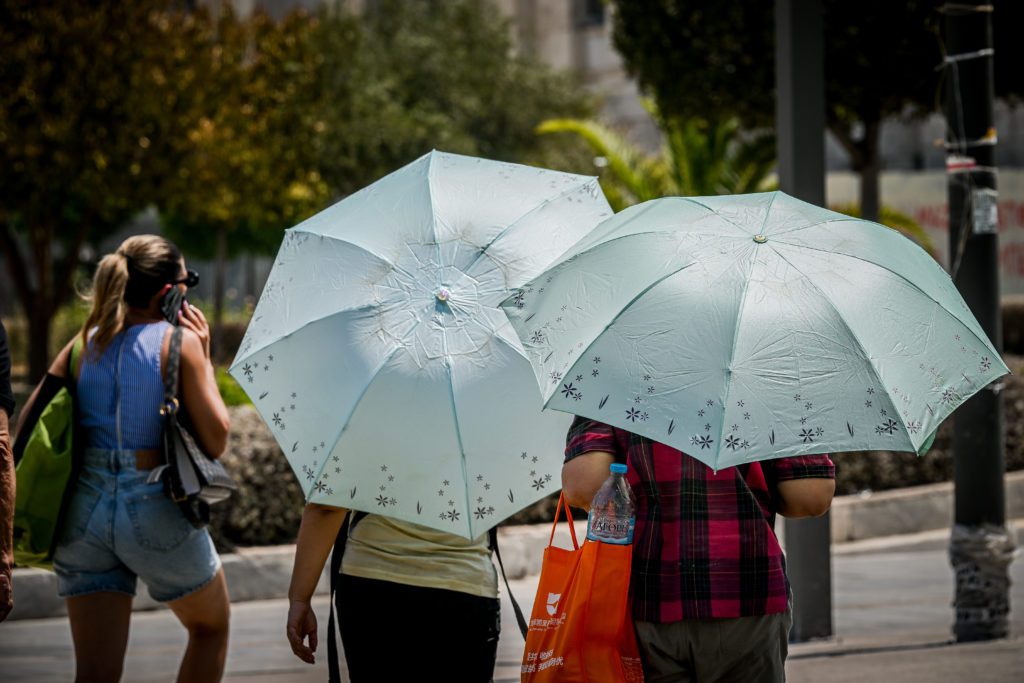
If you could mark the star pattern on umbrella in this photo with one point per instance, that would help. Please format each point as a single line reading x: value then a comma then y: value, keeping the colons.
x: 888, y: 427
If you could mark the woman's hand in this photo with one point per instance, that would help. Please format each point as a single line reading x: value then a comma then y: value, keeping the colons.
x: 302, y: 625
x: 192, y: 318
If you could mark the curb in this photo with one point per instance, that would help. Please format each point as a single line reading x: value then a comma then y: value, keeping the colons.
x: 264, y: 573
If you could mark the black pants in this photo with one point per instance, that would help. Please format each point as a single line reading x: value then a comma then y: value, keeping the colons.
x: 394, y: 632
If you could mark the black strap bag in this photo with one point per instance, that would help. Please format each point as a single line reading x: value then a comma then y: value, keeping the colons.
x: 192, y: 479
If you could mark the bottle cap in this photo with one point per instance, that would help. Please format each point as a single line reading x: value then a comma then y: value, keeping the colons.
x: 619, y: 468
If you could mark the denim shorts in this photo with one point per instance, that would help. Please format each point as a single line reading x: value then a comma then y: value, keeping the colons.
x: 119, y: 528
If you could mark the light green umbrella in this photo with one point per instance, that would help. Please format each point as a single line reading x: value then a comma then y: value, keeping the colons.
x: 379, y: 357
x: 748, y: 327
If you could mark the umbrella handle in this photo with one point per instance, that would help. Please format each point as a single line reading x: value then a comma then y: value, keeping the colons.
x: 568, y: 516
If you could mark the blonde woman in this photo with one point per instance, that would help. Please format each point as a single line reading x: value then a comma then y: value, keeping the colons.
x: 119, y: 527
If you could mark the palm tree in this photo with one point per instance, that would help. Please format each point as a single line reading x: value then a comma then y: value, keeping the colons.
x: 697, y: 158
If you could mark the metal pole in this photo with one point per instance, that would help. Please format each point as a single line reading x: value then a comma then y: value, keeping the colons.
x: 980, y: 547
x: 800, y: 127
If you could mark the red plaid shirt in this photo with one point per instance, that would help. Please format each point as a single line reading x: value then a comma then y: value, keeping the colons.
x: 704, y: 544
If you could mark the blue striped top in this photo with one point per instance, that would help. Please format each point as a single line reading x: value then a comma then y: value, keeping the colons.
x: 124, y: 388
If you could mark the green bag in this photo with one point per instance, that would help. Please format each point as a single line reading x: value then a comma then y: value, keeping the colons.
x: 47, y: 457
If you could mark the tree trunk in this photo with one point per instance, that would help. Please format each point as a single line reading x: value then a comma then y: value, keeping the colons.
x: 52, y: 284
x: 250, y: 278
x: 219, y: 277
x: 870, y: 200
x: 39, y: 316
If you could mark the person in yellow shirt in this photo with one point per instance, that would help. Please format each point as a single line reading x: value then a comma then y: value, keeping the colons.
x: 446, y: 585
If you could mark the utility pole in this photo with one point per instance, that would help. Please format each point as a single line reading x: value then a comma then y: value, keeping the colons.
x: 800, y: 132
x: 980, y: 547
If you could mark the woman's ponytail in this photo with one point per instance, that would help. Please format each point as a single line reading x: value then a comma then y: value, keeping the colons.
x: 130, y: 276
x: 109, y: 309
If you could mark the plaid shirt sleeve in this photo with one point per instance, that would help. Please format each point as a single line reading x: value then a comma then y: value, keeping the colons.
x: 800, y: 467
x: 586, y: 436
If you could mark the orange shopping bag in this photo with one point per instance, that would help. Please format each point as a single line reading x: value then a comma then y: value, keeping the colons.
x: 581, y: 629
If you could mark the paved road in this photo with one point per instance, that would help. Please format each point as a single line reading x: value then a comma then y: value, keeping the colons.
x: 892, y: 619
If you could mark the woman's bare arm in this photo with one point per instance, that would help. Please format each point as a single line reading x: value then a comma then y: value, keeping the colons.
x: 317, y: 533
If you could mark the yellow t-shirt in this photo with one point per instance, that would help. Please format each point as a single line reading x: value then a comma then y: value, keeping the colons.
x: 390, y: 550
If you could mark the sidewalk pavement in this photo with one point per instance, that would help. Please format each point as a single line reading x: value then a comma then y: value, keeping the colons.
x: 263, y: 573
x: 892, y: 619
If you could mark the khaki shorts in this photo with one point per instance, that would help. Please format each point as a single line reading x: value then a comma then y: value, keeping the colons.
x: 745, y: 650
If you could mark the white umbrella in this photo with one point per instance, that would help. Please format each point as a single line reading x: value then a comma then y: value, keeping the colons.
x: 379, y: 357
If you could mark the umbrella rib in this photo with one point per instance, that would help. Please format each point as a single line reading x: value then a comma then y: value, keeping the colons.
x: 447, y: 358
x: 735, y: 336
x: 911, y: 283
x: 458, y: 430
x: 538, y: 207
x: 643, y: 209
x: 495, y: 335
x: 853, y: 334
x: 841, y: 219
x: 433, y: 224
x: 369, y: 251
x: 732, y: 349
x: 266, y: 344
x: 724, y: 218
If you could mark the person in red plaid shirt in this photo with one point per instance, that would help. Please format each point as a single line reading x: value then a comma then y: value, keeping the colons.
x: 708, y: 585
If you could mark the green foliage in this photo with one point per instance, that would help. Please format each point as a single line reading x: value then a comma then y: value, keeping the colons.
x: 717, y: 60
x: 698, y: 158
x: 232, y: 394
x: 248, y: 167
x: 706, y: 59
x: 237, y: 128
x: 84, y: 126
x: 413, y: 76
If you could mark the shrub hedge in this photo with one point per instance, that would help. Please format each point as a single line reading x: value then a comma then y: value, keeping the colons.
x: 268, y: 507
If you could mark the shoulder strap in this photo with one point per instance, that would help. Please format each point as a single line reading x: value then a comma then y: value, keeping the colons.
x: 173, y: 364
x: 333, y: 668
x: 492, y: 542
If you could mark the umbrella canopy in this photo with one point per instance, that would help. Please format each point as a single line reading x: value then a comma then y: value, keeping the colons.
x: 748, y: 327
x: 379, y: 358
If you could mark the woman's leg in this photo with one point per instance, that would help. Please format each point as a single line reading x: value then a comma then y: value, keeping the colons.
x: 206, y: 615
x: 99, y: 629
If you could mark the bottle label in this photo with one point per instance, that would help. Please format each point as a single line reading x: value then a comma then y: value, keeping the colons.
x: 610, y: 530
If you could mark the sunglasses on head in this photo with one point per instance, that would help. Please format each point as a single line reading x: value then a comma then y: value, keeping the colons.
x: 191, y: 279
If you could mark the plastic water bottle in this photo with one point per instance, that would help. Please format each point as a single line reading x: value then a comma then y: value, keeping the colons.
x: 613, y: 511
